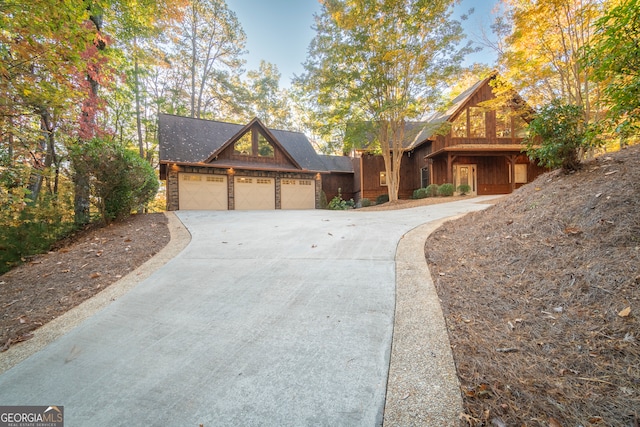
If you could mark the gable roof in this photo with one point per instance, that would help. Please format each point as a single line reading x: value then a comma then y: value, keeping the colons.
x: 197, y: 141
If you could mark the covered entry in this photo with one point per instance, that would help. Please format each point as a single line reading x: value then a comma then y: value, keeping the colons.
x: 298, y: 194
x: 253, y: 193
x: 203, y: 192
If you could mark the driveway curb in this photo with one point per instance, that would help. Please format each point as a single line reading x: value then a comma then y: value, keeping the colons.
x: 423, y: 387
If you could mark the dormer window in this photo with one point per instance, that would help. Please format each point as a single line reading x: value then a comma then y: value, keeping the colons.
x: 253, y: 144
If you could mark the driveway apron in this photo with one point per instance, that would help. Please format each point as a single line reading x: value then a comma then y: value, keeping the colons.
x: 267, y: 318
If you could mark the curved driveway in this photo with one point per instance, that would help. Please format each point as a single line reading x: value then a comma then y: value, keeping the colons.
x: 267, y: 318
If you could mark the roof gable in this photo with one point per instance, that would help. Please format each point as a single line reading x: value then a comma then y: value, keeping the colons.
x: 255, y: 123
x: 198, y: 141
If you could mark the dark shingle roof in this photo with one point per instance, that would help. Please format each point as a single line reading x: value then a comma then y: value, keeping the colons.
x: 337, y: 163
x: 188, y: 140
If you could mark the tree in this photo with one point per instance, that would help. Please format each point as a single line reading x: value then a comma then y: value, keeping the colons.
x: 266, y: 100
x: 211, y: 42
x: 613, y: 54
x: 542, y: 52
x: 381, y: 61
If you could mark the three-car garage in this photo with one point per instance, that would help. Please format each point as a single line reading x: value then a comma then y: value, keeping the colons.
x: 211, y: 192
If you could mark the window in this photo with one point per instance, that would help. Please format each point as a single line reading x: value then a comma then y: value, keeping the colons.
x: 253, y: 143
x: 459, y: 126
x: 477, y: 127
x: 503, y: 123
x: 519, y: 127
x: 264, y: 148
x: 243, y: 146
x: 383, y: 179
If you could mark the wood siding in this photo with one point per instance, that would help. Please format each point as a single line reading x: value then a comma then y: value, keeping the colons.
x: 334, y: 181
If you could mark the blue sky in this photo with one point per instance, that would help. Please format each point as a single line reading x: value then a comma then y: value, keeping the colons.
x: 279, y: 31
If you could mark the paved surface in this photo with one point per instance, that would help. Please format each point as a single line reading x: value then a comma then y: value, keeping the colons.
x: 278, y: 318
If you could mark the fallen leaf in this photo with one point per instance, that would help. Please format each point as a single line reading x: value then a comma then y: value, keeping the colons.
x: 554, y: 423
x: 625, y: 312
x: 572, y: 230
x: 95, y: 275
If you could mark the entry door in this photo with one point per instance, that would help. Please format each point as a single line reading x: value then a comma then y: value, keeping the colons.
x: 466, y: 174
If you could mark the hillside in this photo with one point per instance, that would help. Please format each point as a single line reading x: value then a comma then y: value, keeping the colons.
x: 541, y: 295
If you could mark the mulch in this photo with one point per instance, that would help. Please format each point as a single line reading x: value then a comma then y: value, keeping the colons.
x: 46, y: 286
x: 541, y: 295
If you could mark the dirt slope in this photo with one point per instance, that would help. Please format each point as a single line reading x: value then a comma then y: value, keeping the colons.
x: 541, y: 294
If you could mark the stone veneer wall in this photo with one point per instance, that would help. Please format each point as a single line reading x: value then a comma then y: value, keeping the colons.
x: 172, y: 182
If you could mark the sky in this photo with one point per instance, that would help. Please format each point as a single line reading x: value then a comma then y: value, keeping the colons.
x: 279, y: 31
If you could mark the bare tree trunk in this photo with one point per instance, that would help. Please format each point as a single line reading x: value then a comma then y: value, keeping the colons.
x: 136, y: 82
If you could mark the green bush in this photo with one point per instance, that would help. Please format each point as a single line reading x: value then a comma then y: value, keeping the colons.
x: 559, y: 136
x: 446, y: 190
x: 432, y: 190
x: 420, y: 193
x: 463, y: 189
x: 32, y: 230
x: 338, y: 204
x: 365, y: 202
x: 383, y: 198
x: 120, y: 180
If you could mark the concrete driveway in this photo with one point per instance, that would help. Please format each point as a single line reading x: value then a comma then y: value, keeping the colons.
x: 269, y: 318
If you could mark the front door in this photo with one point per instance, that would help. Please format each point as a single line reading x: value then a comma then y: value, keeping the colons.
x: 466, y: 175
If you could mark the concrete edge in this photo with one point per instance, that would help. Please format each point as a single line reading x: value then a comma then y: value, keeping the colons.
x: 423, y: 387
x: 49, y: 332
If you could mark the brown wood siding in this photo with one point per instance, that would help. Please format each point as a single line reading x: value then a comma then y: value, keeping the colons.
x: 493, y: 172
x: 334, y: 181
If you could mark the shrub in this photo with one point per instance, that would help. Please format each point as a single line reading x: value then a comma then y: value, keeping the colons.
x: 463, y: 189
x: 420, y: 193
x: 446, y: 190
x: 120, y: 181
x: 365, y: 202
x: 432, y: 190
x: 383, y: 198
x: 338, y: 204
x: 558, y: 136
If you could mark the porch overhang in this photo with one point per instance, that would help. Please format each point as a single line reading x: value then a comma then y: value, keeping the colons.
x: 478, y: 150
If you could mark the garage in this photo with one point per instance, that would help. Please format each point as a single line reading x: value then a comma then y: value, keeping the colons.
x: 298, y: 193
x: 203, y: 192
x: 254, y: 193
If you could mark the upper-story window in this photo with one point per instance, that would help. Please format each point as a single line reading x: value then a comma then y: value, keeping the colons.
x: 477, y: 126
x: 459, y: 126
x: 503, y: 123
x: 469, y: 124
x: 243, y: 146
x: 264, y: 148
x: 253, y: 143
x: 508, y: 125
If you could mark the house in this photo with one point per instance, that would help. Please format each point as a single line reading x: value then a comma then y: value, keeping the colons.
x: 224, y: 166
x: 483, y: 148
x: 467, y: 144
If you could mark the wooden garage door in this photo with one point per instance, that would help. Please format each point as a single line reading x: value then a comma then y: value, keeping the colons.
x: 298, y: 193
x: 253, y: 193
x: 202, y: 192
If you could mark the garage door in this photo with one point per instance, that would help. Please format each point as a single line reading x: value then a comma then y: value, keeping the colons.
x: 298, y: 193
x: 202, y: 192
x: 253, y: 193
